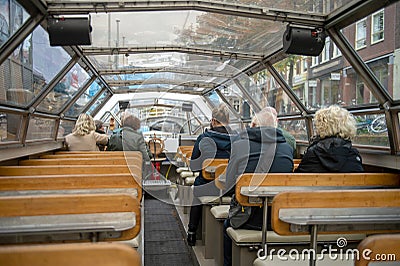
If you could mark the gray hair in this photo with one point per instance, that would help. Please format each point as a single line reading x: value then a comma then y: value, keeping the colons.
x: 266, y: 117
x: 221, y: 114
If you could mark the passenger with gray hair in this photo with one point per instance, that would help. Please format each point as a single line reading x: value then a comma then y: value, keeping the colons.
x: 129, y: 138
x: 213, y: 143
x: 261, y: 148
x: 331, y: 150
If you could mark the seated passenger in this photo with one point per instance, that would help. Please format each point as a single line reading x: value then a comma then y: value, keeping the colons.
x: 128, y: 138
x: 213, y: 143
x: 100, y: 129
x: 331, y: 150
x: 84, y: 137
x: 261, y: 148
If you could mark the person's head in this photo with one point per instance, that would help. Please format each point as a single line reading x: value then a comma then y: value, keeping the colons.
x: 266, y: 117
x: 84, y: 125
x: 335, y: 121
x: 131, y: 121
x: 99, y: 124
x: 220, y: 116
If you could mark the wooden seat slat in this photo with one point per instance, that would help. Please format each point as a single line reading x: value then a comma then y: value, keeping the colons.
x: 387, y: 245
x: 85, y: 161
x: 130, y: 191
x: 331, y: 200
x: 68, y: 169
x: 88, y: 254
x: 278, y: 182
x: 209, y: 166
x: 68, y: 223
x: 22, y: 206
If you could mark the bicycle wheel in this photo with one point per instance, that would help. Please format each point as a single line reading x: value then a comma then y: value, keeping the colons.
x: 378, y: 125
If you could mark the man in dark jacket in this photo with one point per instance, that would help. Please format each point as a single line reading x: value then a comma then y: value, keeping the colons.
x: 262, y: 148
x: 213, y: 143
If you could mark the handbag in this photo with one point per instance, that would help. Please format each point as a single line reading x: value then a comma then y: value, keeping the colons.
x: 238, y: 214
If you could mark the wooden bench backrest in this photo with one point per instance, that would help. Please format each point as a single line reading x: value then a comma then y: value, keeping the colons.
x: 331, y: 199
x: 89, y: 254
x: 387, y: 245
x: 313, y: 179
x: 61, y: 182
x: 126, y: 153
x: 69, y: 169
x: 92, y: 154
x: 211, y: 162
x: 219, y: 171
x: 73, y: 204
x: 86, y: 161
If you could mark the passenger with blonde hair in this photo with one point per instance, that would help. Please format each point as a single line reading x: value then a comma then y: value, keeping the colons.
x: 331, y: 150
x: 84, y: 137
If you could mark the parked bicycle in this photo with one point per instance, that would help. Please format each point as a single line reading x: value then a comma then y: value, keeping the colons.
x: 375, y: 125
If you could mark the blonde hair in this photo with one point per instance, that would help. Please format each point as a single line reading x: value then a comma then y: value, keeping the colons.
x: 335, y: 121
x: 266, y: 117
x: 221, y: 114
x: 84, y: 125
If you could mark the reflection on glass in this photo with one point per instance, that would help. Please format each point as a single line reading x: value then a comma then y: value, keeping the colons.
x: 65, y: 128
x: 10, y: 127
x: 83, y: 100
x: 28, y: 71
x: 68, y: 86
x: 374, y: 39
x: 371, y: 130
x: 98, y: 102
x: 297, y: 128
x: 12, y: 17
x: 40, y: 128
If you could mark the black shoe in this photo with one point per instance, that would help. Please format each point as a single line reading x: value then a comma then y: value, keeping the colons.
x: 191, y: 238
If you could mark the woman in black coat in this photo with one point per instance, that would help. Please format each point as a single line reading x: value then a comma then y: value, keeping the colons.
x: 331, y: 150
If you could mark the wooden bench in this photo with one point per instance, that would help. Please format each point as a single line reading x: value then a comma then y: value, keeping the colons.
x: 44, y: 184
x: 260, y: 189
x: 336, y: 212
x: 84, y: 161
x: 59, y: 218
x: 88, y: 254
x: 92, y: 154
x: 384, y: 248
x: 69, y: 169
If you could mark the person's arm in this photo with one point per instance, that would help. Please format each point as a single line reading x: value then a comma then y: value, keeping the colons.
x: 232, y: 170
x: 101, y: 138
x: 143, y: 149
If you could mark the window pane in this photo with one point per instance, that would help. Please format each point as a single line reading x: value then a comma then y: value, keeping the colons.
x: 297, y: 128
x: 65, y: 128
x: 377, y: 26
x: 12, y: 17
x: 371, y: 130
x: 10, y: 127
x: 65, y: 90
x: 40, y: 128
x: 361, y: 34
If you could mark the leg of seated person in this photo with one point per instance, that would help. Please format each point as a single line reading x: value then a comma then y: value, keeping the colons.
x: 227, y: 245
x: 195, y: 213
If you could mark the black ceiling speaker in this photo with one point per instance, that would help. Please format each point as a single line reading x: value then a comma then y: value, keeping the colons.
x: 69, y: 31
x: 303, y: 41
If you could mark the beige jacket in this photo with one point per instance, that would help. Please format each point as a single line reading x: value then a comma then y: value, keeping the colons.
x: 85, y: 143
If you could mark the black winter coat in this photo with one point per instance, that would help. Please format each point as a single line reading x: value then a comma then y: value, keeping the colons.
x: 331, y: 155
x: 258, y: 150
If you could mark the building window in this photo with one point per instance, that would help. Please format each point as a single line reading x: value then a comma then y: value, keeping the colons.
x: 236, y: 105
x: 361, y: 34
x: 377, y: 27
x: 314, y: 60
x: 336, y: 51
x: 325, y: 53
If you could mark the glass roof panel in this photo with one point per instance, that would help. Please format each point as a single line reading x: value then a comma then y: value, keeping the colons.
x: 65, y: 90
x: 83, y: 100
x: 30, y: 68
x: 12, y: 17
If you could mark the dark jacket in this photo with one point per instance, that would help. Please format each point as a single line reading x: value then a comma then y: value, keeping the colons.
x: 331, y: 155
x: 127, y: 139
x: 258, y: 150
x: 213, y: 143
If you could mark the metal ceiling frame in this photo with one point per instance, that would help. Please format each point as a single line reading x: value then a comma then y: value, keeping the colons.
x: 249, y: 11
x: 153, y: 81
